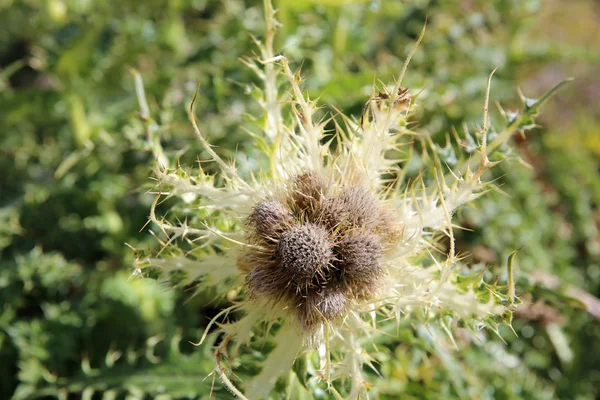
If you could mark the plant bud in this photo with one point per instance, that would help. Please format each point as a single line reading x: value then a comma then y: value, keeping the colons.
x: 304, y: 252
x: 360, y: 258
x: 269, y: 219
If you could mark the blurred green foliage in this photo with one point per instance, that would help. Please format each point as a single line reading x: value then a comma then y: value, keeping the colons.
x: 75, y: 160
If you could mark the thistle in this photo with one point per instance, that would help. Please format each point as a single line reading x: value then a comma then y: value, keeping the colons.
x: 330, y: 245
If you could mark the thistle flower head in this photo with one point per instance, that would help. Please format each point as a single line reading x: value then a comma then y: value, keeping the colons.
x: 331, y: 245
x: 317, y: 249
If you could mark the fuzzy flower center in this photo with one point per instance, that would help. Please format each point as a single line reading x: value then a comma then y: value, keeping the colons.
x: 304, y: 252
x: 315, y: 252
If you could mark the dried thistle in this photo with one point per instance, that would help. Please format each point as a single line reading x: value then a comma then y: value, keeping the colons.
x: 325, y: 245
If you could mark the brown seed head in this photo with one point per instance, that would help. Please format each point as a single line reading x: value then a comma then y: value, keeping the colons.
x: 269, y: 280
x: 304, y: 252
x: 307, y: 190
x: 362, y: 207
x: 330, y: 302
x: 326, y: 303
x: 269, y: 219
x: 360, y: 255
x: 355, y: 207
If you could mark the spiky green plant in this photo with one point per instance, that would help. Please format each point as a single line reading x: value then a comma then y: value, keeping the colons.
x: 326, y: 243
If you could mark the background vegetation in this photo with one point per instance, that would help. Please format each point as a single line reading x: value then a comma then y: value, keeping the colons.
x: 75, y: 162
